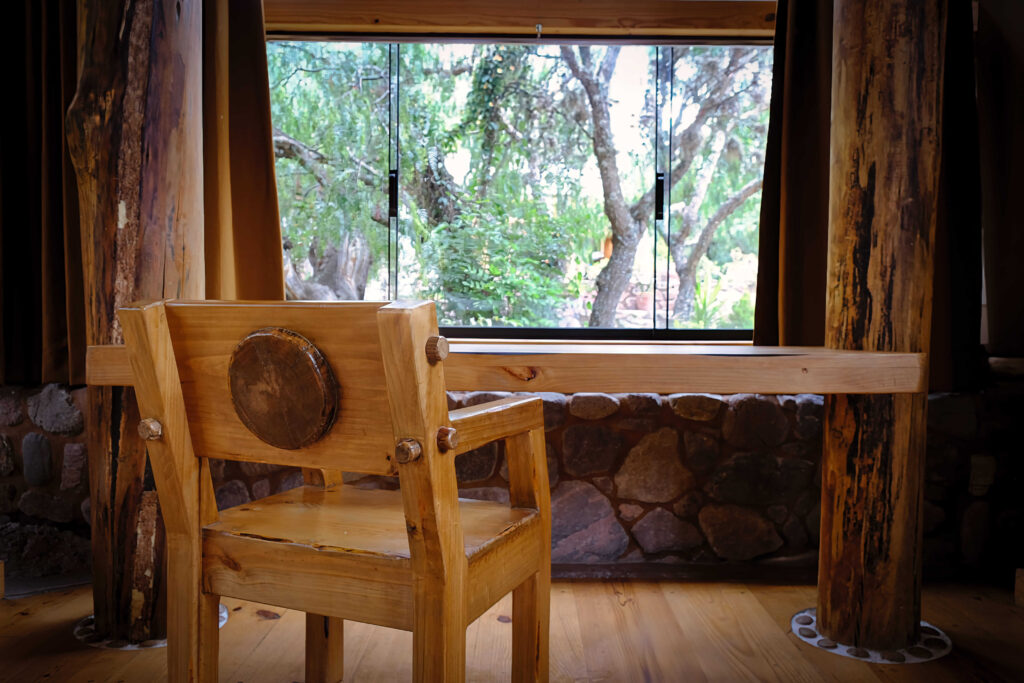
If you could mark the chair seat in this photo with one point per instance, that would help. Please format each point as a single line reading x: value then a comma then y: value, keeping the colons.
x: 345, y: 519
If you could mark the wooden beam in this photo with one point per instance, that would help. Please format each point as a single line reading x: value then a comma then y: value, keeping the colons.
x: 597, y: 18
x: 887, y: 65
x: 568, y: 367
x: 670, y: 368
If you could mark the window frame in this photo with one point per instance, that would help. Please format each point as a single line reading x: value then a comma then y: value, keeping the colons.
x: 605, y: 19
x: 650, y: 22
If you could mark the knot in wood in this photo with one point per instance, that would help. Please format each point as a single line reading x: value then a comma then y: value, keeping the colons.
x: 407, y: 450
x: 437, y: 349
x: 150, y: 429
x: 447, y: 439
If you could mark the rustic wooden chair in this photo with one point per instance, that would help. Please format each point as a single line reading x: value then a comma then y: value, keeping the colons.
x: 332, y: 387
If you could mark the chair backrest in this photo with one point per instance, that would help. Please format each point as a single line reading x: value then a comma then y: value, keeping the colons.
x: 205, y: 335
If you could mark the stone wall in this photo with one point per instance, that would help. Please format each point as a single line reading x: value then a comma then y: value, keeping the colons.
x: 974, y: 483
x: 43, y: 482
x: 691, y: 479
x: 689, y: 483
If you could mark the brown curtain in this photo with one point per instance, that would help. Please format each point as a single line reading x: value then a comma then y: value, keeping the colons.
x: 790, y: 308
x: 243, y: 232
x: 957, y: 358
x: 42, y: 315
x: 1000, y: 41
x: 42, y: 302
x: 794, y: 207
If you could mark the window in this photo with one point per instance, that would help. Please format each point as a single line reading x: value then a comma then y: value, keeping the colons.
x: 524, y: 185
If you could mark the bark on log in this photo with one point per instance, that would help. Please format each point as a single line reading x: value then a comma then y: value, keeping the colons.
x: 887, y: 68
x: 134, y: 133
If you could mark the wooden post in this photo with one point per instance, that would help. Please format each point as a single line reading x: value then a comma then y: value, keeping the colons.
x: 134, y: 132
x: 886, y: 97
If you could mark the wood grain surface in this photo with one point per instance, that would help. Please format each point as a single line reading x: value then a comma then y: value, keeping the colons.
x: 205, y: 337
x: 133, y: 125
x: 282, y: 388
x: 601, y: 631
x: 571, y: 366
x: 886, y: 103
x: 612, y: 18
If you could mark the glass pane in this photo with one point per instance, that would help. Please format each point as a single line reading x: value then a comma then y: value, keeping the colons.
x: 329, y: 105
x: 664, y: 120
x: 527, y: 173
x: 720, y: 102
x: 527, y: 183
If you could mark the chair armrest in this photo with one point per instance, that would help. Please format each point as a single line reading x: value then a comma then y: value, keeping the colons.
x: 481, y: 424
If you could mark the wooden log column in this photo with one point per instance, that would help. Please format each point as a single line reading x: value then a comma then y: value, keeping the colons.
x: 886, y: 95
x: 135, y: 133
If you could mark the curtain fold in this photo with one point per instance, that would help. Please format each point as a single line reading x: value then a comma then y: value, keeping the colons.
x: 42, y: 302
x: 792, y: 264
x: 1000, y: 41
x: 243, y: 232
x: 793, y: 237
x: 957, y: 357
x: 42, y: 316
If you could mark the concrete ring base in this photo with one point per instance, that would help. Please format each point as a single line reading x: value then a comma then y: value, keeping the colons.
x: 85, y: 632
x: 932, y: 645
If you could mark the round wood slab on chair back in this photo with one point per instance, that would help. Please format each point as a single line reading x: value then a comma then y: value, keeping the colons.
x: 282, y: 388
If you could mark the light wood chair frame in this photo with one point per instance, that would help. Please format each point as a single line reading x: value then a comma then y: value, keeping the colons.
x: 435, y: 593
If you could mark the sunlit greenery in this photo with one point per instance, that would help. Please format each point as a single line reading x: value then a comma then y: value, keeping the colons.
x: 522, y: 169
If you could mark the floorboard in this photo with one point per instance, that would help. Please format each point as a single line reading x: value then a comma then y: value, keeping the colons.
x: 601, y: 631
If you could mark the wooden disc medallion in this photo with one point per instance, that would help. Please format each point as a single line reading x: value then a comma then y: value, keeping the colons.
x: 282, y: 388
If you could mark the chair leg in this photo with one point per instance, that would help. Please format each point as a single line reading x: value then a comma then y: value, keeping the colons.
x: 209, y: 637
x: 439, y: 641
x: 192, y: 617
x: 325, y: 651
x: 192, y: 652
x: 531, y: 606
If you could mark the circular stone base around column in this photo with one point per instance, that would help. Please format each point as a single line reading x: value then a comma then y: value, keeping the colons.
x: 932, y: 644
x: 85, y: 632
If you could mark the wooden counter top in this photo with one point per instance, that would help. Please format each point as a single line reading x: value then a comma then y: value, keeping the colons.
x: 664, y: 367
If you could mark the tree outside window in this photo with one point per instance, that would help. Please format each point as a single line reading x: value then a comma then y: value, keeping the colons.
x: 525, y: 192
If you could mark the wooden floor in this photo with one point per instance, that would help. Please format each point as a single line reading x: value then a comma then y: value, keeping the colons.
x: 600, y: 631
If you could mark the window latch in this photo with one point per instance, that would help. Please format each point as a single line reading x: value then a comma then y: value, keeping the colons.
x: 393, y: 193
x: 659, y: 196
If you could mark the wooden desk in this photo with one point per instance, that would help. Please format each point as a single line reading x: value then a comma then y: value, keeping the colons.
x: 621, y: 367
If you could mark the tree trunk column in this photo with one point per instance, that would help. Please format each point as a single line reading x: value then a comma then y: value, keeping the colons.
x: 886, y: 95
x: 134, y: 132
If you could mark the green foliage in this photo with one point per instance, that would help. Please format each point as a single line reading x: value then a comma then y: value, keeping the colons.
x: 324, y: 95
x: 501, y: 205
x: 706, y: 305
x: 741, y: 317
x: 495, y: 266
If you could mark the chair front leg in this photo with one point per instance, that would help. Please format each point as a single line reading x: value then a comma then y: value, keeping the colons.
x: 325, y: 649
x: 209, y: 637
x: 530, y: 628
x: 439, y: 634
x: 531, y: 600
x: 193, y: 635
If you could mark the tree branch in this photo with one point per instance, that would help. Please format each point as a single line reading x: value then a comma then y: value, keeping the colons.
x: 287, y: 147
x: 317, y: 164
x: 687, y: 269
